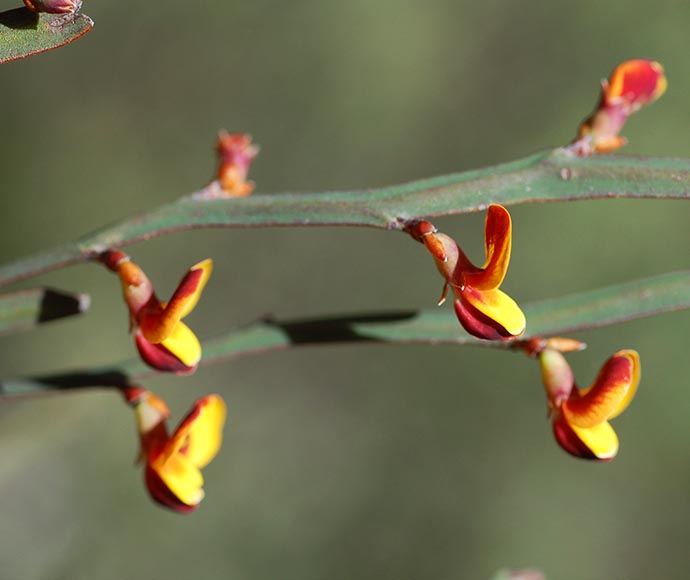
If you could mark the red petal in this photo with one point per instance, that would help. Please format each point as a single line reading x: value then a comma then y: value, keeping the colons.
x: 159, y: 357
x: 570, y: 442
x: 602, y: 399
x: 491, y: 314
x: 497, y: 242
x: 636, y: 83
x: 477, y: 324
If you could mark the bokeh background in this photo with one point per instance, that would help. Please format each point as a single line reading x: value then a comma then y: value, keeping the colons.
x: 352, y: 461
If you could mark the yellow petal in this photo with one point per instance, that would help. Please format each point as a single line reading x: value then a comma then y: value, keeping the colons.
x: 497, y: 307
x: 632, y: 389
x: 601, y: 440
x: 200, y: 433
x: 181, y: 477
x: 184, y: 345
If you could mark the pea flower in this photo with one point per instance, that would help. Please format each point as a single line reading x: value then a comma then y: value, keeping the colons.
x: 483, y: 310
x: 580, y: 418
x: 163, y: 340
x: 173, y: 463
x: 632, y: 85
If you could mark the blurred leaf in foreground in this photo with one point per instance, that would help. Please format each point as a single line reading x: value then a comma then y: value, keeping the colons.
x: 24, y: 33
x: 26, y: 309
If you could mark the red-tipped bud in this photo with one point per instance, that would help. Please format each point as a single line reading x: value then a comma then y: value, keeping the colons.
x: 236, y: 153
x: 632, y: 84
x: 635, y: 83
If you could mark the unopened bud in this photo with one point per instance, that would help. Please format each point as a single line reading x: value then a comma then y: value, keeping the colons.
x: 236, y: 153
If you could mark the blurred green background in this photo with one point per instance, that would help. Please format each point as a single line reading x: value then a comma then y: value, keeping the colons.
x: 341, y: 462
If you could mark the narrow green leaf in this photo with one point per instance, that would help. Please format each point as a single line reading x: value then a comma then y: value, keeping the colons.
x: 547, y: 176
x: 558, y: 316
x: 592, y: 309
x: 25, y: 309
x: 24, y: 33
x: 610, y: 305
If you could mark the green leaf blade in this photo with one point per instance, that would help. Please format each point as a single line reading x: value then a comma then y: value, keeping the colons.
x: 26, y: 309
x: 558, y: 316
x: 24, y: 33
x: 555, y: 175
x: 610, y: 305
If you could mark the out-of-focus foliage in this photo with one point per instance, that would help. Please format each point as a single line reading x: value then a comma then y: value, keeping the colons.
x: 24, y: 33
x: 26, y: 309
x: 366, y: 462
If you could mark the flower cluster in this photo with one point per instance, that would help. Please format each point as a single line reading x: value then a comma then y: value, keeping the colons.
x: 580, y: 417
x: 173, y: 463
x: 483, y: 310
x: 632, y: 84
x: 163, y: 340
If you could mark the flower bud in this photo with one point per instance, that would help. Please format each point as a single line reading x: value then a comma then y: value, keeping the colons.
x: 633, y: 84
x: 236, y: 154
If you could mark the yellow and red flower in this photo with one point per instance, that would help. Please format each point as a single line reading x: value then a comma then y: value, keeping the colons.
x: 163, y: 340
x: 580, y: 418
x: 173, y: 462
x: 632, y: 84
x: 483, y: 310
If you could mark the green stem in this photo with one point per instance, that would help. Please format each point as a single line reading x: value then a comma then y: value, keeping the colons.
x: 554, y: 175
x: 557, y: 316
